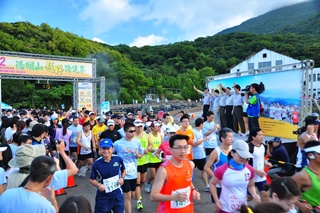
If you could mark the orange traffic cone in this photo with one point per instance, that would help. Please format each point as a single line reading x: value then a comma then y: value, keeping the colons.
x: 60, y: 192
x: 71, y: 183
x: 192, y: 115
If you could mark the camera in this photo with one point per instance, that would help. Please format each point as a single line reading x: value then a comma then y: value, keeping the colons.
x: 269, y: 142
x: 52, y: 145
x: 298, y: 131
x: 246, y: 89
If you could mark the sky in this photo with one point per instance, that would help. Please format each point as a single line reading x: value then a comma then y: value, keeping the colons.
x: 138, y: 22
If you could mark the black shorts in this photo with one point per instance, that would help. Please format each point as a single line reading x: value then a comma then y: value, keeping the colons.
x: 199, y: 163
x: 143, y: 168
x: 244, y: 114
x: 208, y: 151
x: 84, y: 157
x: 129, y: 185
x: 73, y: 149
x: 154, y: 165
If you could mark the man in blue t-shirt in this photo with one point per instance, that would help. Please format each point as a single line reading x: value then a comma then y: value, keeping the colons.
x: 129, y: 149
x: 278, y: 152
x: 75, y: 128
x: 34, y: 196
x: 107, y: 175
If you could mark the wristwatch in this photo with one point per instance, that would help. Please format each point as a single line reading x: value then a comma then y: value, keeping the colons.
x: 195, y: 189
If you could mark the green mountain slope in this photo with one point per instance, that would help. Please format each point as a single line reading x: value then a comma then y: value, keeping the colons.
x: 133, y: 72
x: 296, y: 18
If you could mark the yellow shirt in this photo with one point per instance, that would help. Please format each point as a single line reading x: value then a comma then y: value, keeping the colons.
x: 97, y: 130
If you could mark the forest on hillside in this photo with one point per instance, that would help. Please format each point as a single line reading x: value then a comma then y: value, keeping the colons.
x: 167, y: 70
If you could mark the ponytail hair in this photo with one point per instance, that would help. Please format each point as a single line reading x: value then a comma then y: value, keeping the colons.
x: 258, y: 87
x: 262, y: 208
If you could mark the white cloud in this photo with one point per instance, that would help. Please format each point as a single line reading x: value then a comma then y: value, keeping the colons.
x: 106, y: 14
x: 191, y: 18
x: 147, y: 40
x: 98, y: 40
x: 208, y: 17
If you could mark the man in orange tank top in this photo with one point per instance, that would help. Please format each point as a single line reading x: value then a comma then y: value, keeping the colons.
x: 173, y: 187
x: 185, y: 122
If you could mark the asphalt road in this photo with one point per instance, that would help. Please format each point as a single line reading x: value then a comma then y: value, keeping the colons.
x: 87, y: 190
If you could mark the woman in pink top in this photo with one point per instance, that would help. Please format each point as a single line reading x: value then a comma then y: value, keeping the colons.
x: 236, y: 177
x: 165, y: 147
x: 64, y: 134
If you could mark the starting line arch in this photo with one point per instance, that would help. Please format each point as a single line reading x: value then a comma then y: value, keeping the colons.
x: 29, y: 66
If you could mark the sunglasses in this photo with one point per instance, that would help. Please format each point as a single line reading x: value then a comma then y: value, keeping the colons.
x: 132, y: 131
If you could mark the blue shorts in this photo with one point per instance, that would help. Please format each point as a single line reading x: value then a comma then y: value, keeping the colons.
x: 105, y: 205
x: 259, y: 185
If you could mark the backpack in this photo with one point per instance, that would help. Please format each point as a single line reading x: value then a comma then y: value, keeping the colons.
x: 251, y: 148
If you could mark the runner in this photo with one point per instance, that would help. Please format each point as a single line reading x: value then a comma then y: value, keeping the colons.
x: 75, y: 128
x: 173, y: 186
x: 129, y: 149
x: 211, y: 129
x: 308, y: 179
x: 285, y: 192
x: 185, y: 121
x: 219, y: 155
x: 146, y: 145
x: 84, y: 140
x: 236, y: 177
x: 153, y: 161
x: 258, y: 151
x: 199, y: 154
x: 96, y: 132
x: 107, y: 175
x: 165, y: 146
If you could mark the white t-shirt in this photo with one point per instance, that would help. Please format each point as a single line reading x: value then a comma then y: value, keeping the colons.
x: 258, y: 161
x: 234, y: 186
x: 212, y: 142
x: 85, y: 140
x: 3, y: 179
x: 20, y: 200
x: 198, y: 151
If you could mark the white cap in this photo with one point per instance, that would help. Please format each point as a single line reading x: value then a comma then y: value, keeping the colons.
x: 110, y: 122
x: 171, y: 129
x: 242, y: 148
x: 138, y: 122
x: 2, y: 149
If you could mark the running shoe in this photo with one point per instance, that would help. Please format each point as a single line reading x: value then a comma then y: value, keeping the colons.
x: 139, y: 205
x: 147, y: 188
x: 207, y: 189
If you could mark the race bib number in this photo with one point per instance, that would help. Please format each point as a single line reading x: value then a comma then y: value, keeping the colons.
x: 189, y: 149
x: 177, y: 204
x: 131, y: 168
x: 235, y: 202
x: 111, y: 184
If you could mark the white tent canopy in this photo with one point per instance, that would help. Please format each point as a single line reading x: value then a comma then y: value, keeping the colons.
x: 5, y: 106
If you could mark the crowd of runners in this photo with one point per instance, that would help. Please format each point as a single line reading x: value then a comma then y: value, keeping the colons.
x: 125, y: 154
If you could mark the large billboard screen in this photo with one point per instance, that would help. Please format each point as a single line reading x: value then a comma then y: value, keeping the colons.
x: 15, y: 65
x: 281, y: 99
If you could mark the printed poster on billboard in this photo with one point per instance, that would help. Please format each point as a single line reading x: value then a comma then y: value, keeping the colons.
x: 281, y: 100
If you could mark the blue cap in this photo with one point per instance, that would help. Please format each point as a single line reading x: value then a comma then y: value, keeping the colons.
x: 106, y: 143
